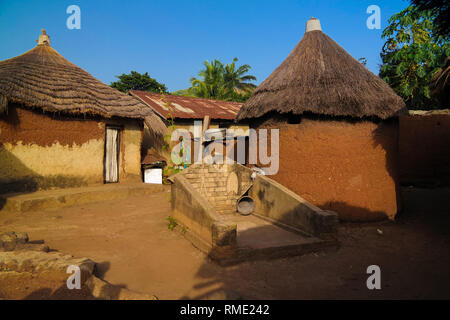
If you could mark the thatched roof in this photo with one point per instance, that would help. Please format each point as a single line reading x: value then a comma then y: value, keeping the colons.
x: 320, y: 77
x: 153, y: 157
x: 440, y: 85
x: 43, y: 79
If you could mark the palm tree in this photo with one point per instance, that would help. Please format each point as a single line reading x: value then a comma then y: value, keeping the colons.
x: 211, y: 83
x: 236, y: 80
x: 228, y: 82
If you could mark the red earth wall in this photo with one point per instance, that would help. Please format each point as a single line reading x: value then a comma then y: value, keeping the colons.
x: 346, y: 167
x: 424, y: 149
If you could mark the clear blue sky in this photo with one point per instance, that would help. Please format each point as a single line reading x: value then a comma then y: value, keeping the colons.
x: 171, y: 38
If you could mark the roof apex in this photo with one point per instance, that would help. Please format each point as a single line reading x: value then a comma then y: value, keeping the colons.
x: 320, y: 77
x: 313, y: 24
x: 44, y: 39
x: 43, y: 79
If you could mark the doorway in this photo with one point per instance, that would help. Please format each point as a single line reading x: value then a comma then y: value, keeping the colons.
x: 112, y: 151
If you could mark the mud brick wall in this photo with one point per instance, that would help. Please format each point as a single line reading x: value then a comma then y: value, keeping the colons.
x: 424, y: 149
x: 220, y: 184
x: 46, y: 150
x: 349, y: 167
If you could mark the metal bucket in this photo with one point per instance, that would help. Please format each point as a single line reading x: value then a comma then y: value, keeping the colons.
x: 245, y: 205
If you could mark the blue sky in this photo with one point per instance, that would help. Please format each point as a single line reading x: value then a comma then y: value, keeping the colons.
x: 171, y: 38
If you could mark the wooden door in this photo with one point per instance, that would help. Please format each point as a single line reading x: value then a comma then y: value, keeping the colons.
x: 112, y: 151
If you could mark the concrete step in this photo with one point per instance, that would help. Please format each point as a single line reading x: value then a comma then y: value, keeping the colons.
x: 258, y: 239
x: 226, y: 212
x: 50, y: 199
x: 226, y: 208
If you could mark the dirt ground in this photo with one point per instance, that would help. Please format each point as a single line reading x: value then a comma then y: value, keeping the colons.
x: 135, y: 249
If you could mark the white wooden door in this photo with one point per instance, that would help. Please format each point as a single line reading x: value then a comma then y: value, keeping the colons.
x: 112, y: 155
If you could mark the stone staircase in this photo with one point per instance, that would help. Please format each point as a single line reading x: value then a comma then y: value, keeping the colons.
x: 219, y: 184
x: 282, y: 225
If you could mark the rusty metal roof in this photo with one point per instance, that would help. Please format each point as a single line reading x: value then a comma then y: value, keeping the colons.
x: 188, y: 107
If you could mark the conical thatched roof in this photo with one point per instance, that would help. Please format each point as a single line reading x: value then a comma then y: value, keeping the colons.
x: 320, y: 77
x: 440, y: 85
x: 43, y: 79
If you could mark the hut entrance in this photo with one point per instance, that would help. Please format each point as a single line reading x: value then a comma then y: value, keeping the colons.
x: 112, y: 152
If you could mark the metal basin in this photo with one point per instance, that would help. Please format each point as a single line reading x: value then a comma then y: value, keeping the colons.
x: 245, y: 205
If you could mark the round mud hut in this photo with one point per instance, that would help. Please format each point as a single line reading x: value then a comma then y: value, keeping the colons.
x: 338, y: 129
x: 60, y: 127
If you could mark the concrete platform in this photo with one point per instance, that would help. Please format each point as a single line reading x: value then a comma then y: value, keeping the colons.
x: 52, y: 199
x: 203, y: 200
x: 259, y: 239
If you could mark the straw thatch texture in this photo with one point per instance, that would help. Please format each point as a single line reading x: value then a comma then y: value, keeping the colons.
x: 3, y: 104
x: 440, y: 88
x: 43, y: 79
x: 320, y: 77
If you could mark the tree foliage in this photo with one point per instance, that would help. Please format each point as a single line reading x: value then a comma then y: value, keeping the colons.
x: 441, y: 9
x: 236, y: 79
x: 183, y: 92
x: 210, y: 83
x: 137, y: 81
x: 411, y: 55
x: 223, y: 82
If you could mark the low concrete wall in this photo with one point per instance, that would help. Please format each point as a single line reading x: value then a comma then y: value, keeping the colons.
x: 60, y: 198
x: 281, y: 205
x: 201, y: 191
x: 207, y: 230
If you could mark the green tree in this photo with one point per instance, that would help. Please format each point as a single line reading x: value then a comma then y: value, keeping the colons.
x: 237, y: 79
x: 211, y: 82
x: 183, y: 92
x: 223, y: 82
x: 411, y: 55
x: 137, y: 81
x: 441, y: 8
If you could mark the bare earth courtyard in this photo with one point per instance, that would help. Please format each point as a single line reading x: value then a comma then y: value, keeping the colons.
x: 135, y: 249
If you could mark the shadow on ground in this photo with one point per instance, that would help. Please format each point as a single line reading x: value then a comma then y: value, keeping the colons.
x: 413, y: 253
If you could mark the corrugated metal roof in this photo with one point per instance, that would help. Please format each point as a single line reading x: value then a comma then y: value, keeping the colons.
x: 188, y: 107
